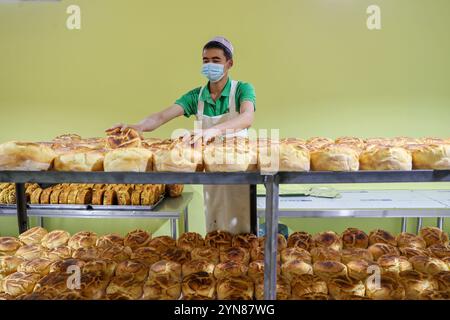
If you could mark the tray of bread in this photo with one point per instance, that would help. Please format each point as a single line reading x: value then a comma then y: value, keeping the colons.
x: 127, y: 151
x: 74, y: 196
x: 138, y: 266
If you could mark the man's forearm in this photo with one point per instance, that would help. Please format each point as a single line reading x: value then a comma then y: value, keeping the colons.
x: 156, y: 120
x: 150, y: 123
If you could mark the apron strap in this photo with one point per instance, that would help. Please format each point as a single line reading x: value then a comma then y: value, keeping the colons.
x: 200, y: 103
x: 232, y: 98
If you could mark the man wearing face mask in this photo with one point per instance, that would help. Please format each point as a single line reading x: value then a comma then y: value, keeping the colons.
x: 224, y: 107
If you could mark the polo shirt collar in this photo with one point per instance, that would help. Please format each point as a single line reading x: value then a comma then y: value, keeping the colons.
x: 206, y: 95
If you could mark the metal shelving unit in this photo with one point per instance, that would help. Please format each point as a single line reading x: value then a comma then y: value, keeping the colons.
x: 367, y: 204
x: 271, y: 182
x: 272, y: 205
x: 173, y: 209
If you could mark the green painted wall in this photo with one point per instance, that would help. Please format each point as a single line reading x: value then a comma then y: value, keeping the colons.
x: 317, y: 70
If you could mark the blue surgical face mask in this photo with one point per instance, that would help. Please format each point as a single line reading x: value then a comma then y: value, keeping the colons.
x: 213, y: 71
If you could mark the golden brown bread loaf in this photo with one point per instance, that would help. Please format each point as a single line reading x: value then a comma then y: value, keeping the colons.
x: 378, y: 157
x: 354, y: 238
x: 94, y: 285
x: 361, y: 269
x: 238, y: 254
x: 329, y: 269
x: 35, y: 296
x: 409, y: 252
x: 82, y: 239
x: 208, y: 253
x: 53, y: 284
x: 107, y: 267
x: 200, y: 284
x: 218, y: 239
x: 176, y: 254
x: 391, y: 264
x: 335, y: 157
x: 308, y: 284
x: 171, y: 268
x: 428, y: 265
x: 294, y: 268
x: 438, y: 250
x: 198, y: 265
x: 8, y: 265
x: 235, y: 286
x: 406, y: 239
x: 116, y: 253
x: 355, y: 142
x: 33, y: 235
x: 55, y: 238
x: 443, y: 280
x: 341, y: 287
x: 35, y: 197
x: 126, y: 285
x: 327, y: 239
x: 85, y: 254
x: 431, y: 156
x: 123, y: 138
x: 312, y: 296
x: 174, y: 190
x: 230, y: 155
x: 350, y: 254
x: 325, y: 254
x: 257, y: 253
x: 283, y: 155
x: 146, y: 255
x: 9, y: 245
x: 190, y: 240
x: 162, y: 243
x: 382, y: 236
x: 18, y: 283
x: 230, y: 269
x: 379, y: 249
x: 433, y: 235
x: 281, y: 242
x: 137, y: 238
x: 387, y: 289
x: 80, y: 160
x: 138, y: 269
x: 109, y: 240
x: 61, y: 266
x: 245, y: 240
x: 161, y: 287
x: 300, y: 239
x: 30, y: 252
x: 283, y: 289
x: 128, y: 159
x: 58, y: 253
x: 315, y: 143
x: 15, y: 155
x: 179, y: 157
x: 417, y: 284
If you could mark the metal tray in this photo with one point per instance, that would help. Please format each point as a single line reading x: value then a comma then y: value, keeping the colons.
x: 126, y: 208
x: 59, y: 206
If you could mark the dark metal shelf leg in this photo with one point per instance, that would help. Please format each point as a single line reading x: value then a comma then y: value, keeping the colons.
x: 440, y: 223
x: 21, y: 199
x: 270, y: 253
x: 253, y: 210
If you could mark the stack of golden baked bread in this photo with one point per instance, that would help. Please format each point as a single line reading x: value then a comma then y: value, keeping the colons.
x: 127, y: 151
x: 350, y: 266
x: 95, y: 194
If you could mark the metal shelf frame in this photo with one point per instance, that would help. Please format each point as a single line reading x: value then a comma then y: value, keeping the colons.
x: 271, y: 181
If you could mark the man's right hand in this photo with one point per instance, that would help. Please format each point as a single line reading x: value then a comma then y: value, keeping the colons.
x: 123, y: 126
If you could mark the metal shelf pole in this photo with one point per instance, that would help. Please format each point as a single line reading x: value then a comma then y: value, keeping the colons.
x: 270, y: 253
x: 21, y: 201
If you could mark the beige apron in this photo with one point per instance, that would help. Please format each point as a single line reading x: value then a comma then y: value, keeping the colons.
x: 227, y: 207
